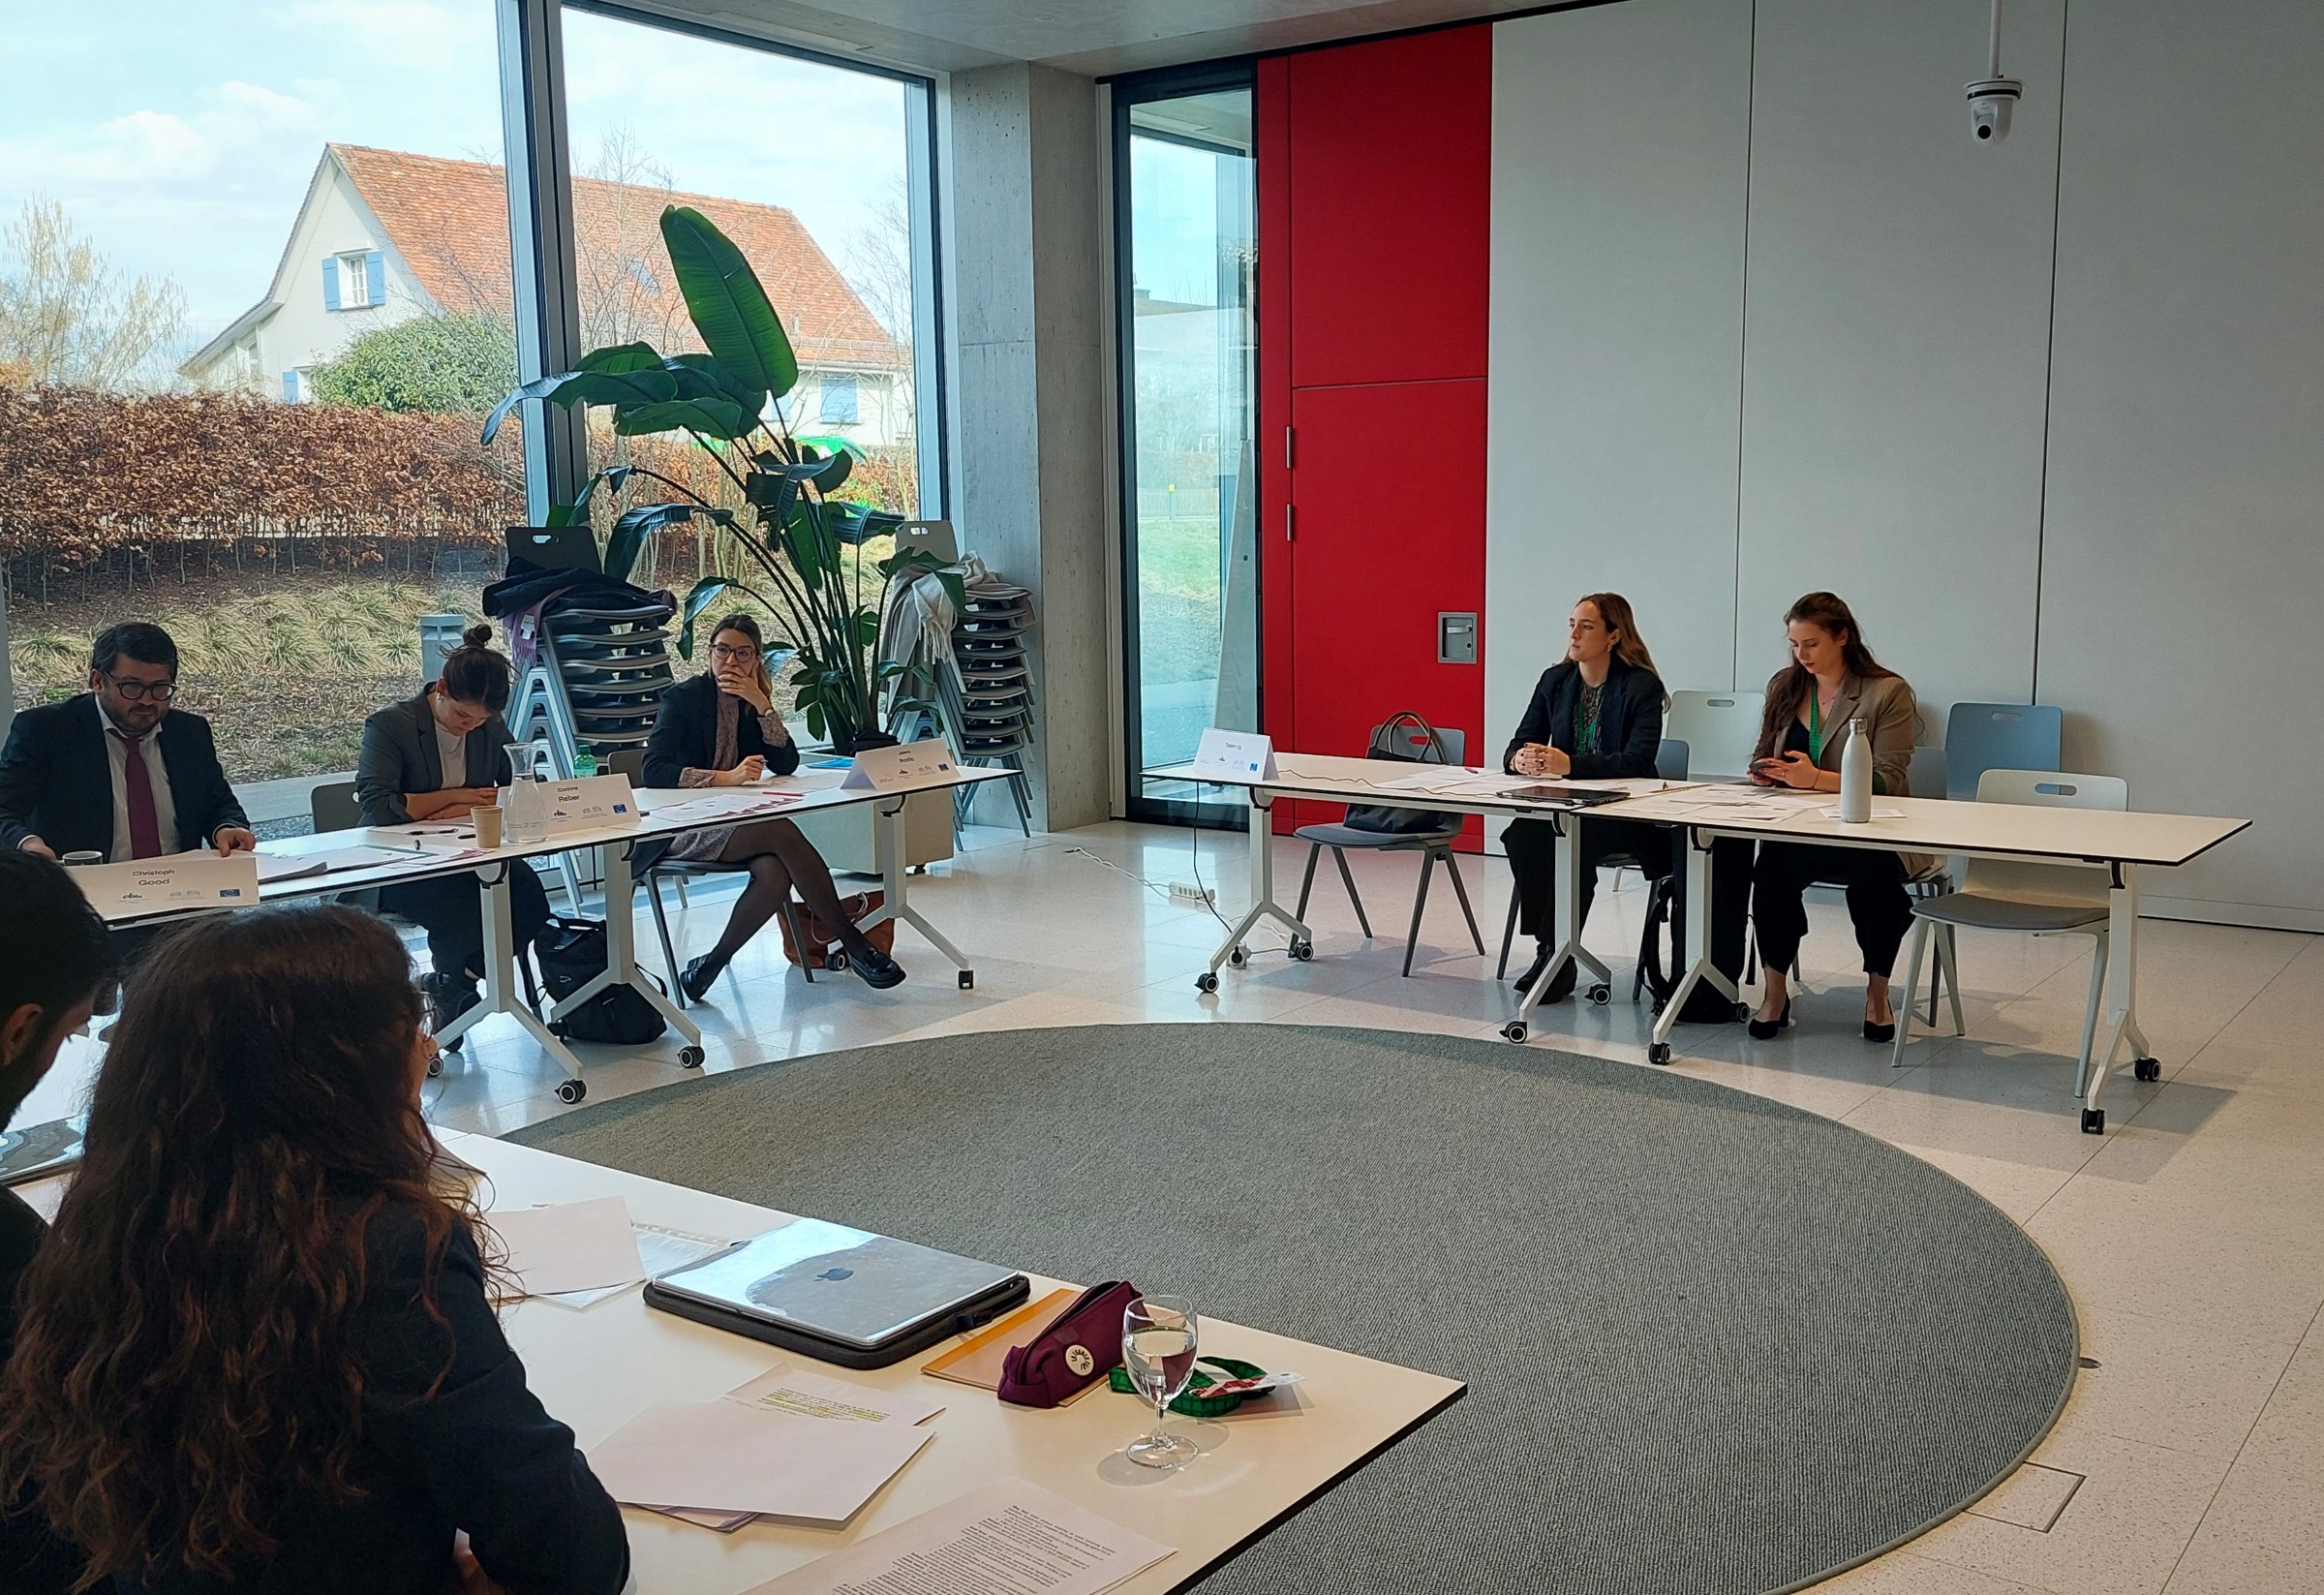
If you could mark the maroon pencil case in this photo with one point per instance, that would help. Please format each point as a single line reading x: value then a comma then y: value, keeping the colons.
x: 1080, y: 1345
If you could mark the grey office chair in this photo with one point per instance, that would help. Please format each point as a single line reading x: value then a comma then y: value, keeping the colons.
x: 1670, y: 763
x: 1998, y: 736
x: 1434, y: 846
x: 655, y: 866
x: 2044, y: 899
x: 1720, y: 729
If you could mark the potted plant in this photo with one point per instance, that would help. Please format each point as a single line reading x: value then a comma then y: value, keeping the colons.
x: 794, y: 536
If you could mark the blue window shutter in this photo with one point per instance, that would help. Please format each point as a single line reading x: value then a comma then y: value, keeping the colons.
x: 331, y: 282
x: 374, y: 276
x: 290, y: 388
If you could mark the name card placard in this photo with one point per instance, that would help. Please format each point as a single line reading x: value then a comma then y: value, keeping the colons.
x: 176, y: 882
x: 590, y: 804
x: 907, y: 767
x: 1237, y: 757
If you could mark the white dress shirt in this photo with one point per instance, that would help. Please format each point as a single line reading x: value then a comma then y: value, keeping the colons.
x: 165, y: 807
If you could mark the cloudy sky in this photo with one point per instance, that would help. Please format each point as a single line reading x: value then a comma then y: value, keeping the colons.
x: 180, y: 137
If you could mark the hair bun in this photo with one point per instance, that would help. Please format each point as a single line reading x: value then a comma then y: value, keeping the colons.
x: 475, y: 636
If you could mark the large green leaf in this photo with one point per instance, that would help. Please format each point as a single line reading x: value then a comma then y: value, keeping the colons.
x: 730, y: 307
x: 699, y: 598
x: 700, y: 376
x: 571, y: 387
x: 616, y: 359
x: 569, y: 514
x: 635, y: 526
x: 713, y: 417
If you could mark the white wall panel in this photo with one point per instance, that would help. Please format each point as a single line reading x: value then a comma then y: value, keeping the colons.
x: 1896, y: 337
x: 2184, y: 570
x: 1617, y: 258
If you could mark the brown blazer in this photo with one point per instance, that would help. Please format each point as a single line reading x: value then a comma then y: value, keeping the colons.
x: 1886, y: 703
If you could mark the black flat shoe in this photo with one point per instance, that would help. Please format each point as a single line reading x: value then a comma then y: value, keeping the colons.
x: 695, y: 980
x: 1532, y: 972
x: 878, y: 970
x: 1766, y: 1030
x: 1561, y: 988
x: 1879, y: 1032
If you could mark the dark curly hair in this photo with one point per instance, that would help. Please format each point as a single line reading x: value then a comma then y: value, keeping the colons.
x: 186, y: 1363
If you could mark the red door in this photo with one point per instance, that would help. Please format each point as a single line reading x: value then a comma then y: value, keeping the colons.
x: 1387, y: 500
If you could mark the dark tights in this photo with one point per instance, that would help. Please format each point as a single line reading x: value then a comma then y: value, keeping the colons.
x: 778, y: 857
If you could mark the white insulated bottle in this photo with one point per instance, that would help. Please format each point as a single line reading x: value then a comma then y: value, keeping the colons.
x: 1856, y: 777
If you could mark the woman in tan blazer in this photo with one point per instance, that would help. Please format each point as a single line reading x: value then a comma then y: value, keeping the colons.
x: 1832, y: 679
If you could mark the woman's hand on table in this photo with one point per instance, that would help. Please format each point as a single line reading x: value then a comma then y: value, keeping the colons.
x: 1794, y: 769
x: 742, y: 775
x: 1539, y: 760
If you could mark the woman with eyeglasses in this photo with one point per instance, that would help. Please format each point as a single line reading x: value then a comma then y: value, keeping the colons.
x: 437, y: 756
x: 721, y: 729
x: 258, y: 1351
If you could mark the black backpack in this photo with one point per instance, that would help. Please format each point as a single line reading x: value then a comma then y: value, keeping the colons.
x: 571, y: 953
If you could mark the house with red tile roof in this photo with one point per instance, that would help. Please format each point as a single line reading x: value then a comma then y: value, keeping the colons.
x: 384, y: 235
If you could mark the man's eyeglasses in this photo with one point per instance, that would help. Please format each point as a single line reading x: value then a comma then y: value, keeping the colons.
x: 160, y: 692
x: 721, y: 651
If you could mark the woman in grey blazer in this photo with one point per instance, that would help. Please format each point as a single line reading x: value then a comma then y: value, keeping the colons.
x: 435, y: 756
x: 1832, y: 679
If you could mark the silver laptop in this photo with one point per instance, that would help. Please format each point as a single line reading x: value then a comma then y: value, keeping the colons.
x: 862, y: 1290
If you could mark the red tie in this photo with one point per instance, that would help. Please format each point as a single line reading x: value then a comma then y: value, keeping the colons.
x: 144, y: 826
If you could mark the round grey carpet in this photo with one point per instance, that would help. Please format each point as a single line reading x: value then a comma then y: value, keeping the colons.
x: 1714, y: 1344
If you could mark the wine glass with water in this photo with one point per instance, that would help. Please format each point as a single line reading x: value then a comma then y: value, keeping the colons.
x: 1158, y: 1338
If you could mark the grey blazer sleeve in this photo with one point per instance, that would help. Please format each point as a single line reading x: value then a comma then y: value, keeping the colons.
x: 381, y: 769
x: 1895, y: 723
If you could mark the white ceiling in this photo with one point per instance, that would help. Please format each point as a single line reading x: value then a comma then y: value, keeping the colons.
x: 1094, y: 37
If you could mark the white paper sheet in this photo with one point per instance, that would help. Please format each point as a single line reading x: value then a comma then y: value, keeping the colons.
x: 289, y: 866
x: 660, y: 1250
x: 724, y: 1456
x: 1010, y: 1538
x: 724, y: 805
x: 1832, y: 814
x: 571, y: 1246
x: 806, y: 1394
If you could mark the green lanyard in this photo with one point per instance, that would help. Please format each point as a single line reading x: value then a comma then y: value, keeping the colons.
x: 1814, y: 725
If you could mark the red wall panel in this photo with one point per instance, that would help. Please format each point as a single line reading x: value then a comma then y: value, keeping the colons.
x: 1374, y: 228
x: 1391, y: 207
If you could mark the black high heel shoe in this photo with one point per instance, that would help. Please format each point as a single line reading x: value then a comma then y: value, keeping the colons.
x: 696, y: 977
x: 1879, y: 1032
x: 1765, y: 1029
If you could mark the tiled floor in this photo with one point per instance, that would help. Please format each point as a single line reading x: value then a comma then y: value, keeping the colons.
x: 2191, y: 1235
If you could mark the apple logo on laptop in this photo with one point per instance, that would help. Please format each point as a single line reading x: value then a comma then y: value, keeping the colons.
x: 836, y: 1273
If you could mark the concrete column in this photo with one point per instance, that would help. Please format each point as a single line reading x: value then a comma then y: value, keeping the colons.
x: 1027, y: 400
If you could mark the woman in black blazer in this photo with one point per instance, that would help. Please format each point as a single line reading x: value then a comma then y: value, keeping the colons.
x: 437, y: 756
x: 257, y: 1353
x: 1595, y: 714
x: 721, y: 729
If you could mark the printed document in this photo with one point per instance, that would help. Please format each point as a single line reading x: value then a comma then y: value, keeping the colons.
x: 1010, y: 1538
x: 806, y: 1394
x: 571, y: 1246
x: 724, y: 1456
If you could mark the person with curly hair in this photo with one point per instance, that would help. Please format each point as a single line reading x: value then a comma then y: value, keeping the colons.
x: 258, y: 1351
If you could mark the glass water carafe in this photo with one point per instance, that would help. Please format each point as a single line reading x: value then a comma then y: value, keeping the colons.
x: 528, y: 804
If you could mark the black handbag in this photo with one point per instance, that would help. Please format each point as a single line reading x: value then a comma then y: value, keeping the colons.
x: 573, y: 952
x: 1387, y: 744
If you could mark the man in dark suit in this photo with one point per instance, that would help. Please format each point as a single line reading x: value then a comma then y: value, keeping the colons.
x: 113, y: 771
x: 54, y: 956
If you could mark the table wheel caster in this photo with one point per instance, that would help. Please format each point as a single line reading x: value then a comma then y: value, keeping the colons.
x: 690, y: 1058
x: 1515, y: 1030
x: 1303, y: 951
x: 835, y: 959
x: 1205, y: 982
x: 2093, y: 1121
x: 435, y: 1066
x: 1658, y: 1052
x: 2148, y: 1069
x: 1600, y: 994
x: 1742, y: 1013
x: 968, y: 980
x: 1237, y: 958
x: 571, y: 1090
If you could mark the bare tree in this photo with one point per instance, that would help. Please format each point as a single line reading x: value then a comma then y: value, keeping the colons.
x: 620, y: 263
x: 879, y: 268
x: 67, y: 317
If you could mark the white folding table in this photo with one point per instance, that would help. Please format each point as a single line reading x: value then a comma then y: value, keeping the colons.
x: 817, y: 789
x: 596, y: 1367
x: 2119, y: 841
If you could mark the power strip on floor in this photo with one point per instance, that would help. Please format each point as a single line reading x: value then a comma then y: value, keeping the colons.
x: 1182, y: 891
